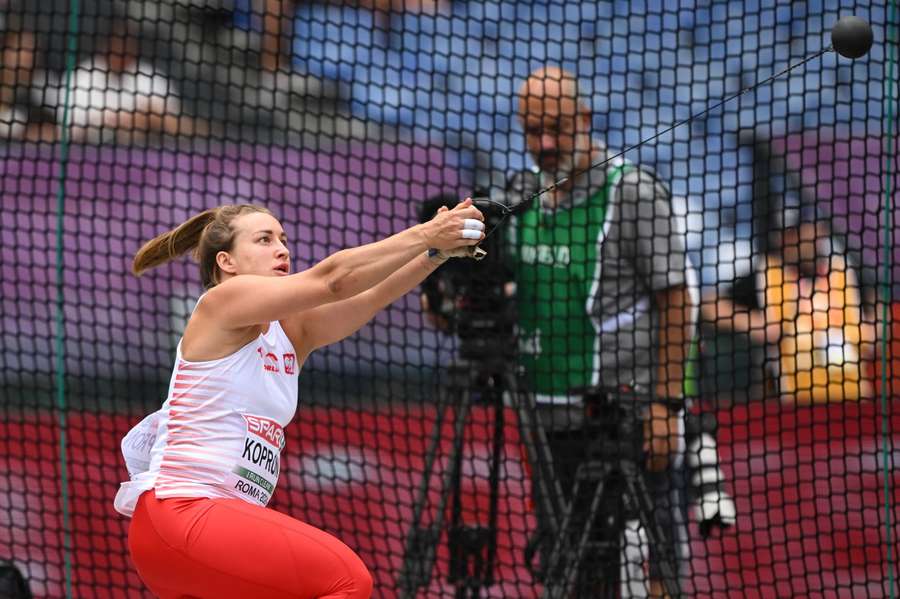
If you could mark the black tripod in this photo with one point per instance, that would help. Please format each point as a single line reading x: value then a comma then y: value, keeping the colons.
x: 490, y: 380
x: 609, y: 488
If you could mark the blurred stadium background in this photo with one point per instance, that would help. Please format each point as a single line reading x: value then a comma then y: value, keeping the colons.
x: 360, y: 114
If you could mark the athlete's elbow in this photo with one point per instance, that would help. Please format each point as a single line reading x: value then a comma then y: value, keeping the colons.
x: 335, y: 285
x: 332, y: 276
x: 339, y: 283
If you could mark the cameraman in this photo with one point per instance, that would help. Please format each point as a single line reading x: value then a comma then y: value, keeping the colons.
x: 601, y: 291
x: 601, y: 273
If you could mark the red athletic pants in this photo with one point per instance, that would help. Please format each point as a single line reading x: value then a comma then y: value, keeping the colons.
x: 189, y: 548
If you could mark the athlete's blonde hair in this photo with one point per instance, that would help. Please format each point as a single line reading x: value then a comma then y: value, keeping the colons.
x: 206, y: 234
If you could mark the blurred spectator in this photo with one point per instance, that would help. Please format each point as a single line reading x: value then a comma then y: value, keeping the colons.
x: 20, y: 115
x: 50, y: 22
x: 211, y: 49
x: 804, y: 303
x: 278, y: 21
x: 115, y: 95
x: 278, y: 18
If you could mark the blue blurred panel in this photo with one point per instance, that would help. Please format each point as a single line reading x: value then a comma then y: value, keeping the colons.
x: 490, y: 10
x: 242, y: 14
x: 627, y: 7
x: 378, y: 102
x: 426, y: 41
x: 642, y: 64
x: 333, y: 41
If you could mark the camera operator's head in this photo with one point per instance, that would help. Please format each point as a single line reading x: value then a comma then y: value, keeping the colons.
x: 557, y: 122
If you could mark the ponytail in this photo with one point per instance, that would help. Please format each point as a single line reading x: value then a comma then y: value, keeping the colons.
x: 205, y: 235
x: 172, y: 244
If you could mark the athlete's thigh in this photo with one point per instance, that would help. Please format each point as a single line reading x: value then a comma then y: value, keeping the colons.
x: 277, y: 551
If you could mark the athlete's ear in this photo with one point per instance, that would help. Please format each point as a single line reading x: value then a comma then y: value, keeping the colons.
x: 226, y: 263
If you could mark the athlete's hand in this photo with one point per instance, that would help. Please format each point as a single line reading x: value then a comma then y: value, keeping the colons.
x: 452, y: 229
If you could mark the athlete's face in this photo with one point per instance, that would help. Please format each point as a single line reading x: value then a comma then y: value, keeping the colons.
x: 260, y: 247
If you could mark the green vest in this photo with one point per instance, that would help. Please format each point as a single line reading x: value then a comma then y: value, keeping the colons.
x: 555, y: 269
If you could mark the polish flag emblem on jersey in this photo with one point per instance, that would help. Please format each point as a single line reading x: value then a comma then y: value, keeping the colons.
x: 290, y: 361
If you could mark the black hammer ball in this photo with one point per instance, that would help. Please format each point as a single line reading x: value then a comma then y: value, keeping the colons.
x: 851, y: 37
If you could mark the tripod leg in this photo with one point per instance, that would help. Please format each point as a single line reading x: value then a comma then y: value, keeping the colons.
x: 574, y: 566
x: 421, y: 543
x: 659, y: 538
x: 556, y: 587
x: 531, y: 434
x: 571, y: 583
x: 473, y: 546
x: 418, y: 556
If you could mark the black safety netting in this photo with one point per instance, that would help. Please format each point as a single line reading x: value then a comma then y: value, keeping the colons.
x: 671, y: 374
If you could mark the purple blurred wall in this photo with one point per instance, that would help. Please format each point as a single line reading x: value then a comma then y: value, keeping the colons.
x: 116, y: 198
x: 848, y: 178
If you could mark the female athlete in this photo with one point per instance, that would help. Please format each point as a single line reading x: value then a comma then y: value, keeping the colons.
x: 204, y: 466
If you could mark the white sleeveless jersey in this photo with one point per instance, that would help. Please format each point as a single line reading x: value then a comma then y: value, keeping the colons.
x: 219, y: 433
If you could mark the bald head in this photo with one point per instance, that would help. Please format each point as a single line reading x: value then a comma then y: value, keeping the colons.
x: 555, y: 120
x: 550, y: 89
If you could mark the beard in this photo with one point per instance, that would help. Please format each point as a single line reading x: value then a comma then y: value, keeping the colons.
x: 571, y: 162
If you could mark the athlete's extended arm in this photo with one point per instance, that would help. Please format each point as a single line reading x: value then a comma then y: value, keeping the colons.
x: 332, y: 322
x: 248, y: 300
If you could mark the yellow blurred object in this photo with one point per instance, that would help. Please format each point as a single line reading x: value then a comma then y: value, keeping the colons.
x: 821, y: 333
